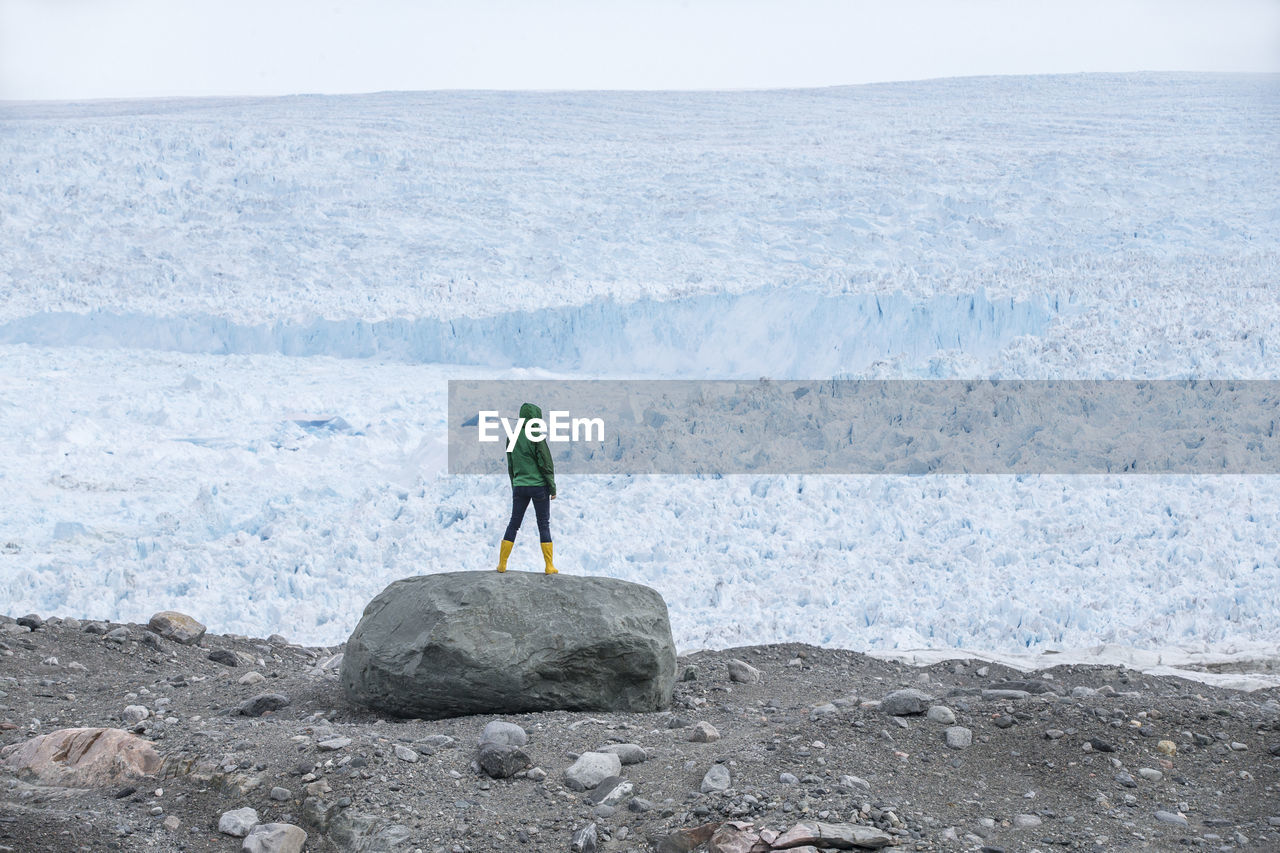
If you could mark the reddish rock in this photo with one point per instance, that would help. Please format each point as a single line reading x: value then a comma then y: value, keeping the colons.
x: 83, y: 758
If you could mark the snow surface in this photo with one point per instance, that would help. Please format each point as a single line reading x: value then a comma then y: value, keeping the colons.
x: 228, y: 324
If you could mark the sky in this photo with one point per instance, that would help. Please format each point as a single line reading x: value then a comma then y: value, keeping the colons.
x: 82, y: 49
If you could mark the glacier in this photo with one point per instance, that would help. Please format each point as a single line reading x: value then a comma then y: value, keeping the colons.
x: 188, y: 283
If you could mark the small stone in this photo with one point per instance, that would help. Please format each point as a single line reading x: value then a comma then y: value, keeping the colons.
x: 117, y: 635
x: 1100, y: 745
x: 788, y: 779
x: 689, y: 673
x: 1126, y: 780
x: 639, y: 804
x: 743, y: 672
x: 275, y: 838
x: 704, y: 732
x: 715, y: 780
x: 32, y: 621
x: 1027, y: 821
x: 172, y: 823
x: 1005, y: 695
x: 824, y: 710
x: 678, y: 722
x: 1004, y: 721
x: 942, y: 714
x: 263, y: 703
x: 238, y: 822
x: 404, y: 753
x: 504, y: 734
x: 1237, y: 746
x: 1150, y: 774
x: 1171, y: 817
x: 628, y: 753
x: 1054, y: 734
x: 536, y: 774
x: 904, y: 702
x: 134, y: 714
x: 281, y: 795
x: 958, y: 737
x: 251, y: 678
x: 1167, y: 747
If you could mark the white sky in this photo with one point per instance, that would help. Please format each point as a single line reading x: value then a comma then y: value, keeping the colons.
x: 74, y: 49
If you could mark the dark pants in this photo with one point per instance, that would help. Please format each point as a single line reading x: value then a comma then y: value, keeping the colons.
x: 520, y: 497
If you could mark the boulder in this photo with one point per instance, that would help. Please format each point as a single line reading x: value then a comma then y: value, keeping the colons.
x: 178, y: 627
x: 901, y: 703
x: 83, y: 758
x: 841, y: 836
x: 462, y: 643
x: 275, y: 838
x: 590, y: 769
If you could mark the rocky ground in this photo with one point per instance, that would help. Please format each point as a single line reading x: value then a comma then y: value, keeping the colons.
x: 956, y: 756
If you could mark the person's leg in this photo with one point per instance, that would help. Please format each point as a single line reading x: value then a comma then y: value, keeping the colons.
x: 519, y: 503
x: 542, y: 509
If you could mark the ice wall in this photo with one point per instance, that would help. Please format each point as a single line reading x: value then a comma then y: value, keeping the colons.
x: 766, y: 332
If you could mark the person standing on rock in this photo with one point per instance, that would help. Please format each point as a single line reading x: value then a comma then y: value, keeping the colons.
x: 533, y: 478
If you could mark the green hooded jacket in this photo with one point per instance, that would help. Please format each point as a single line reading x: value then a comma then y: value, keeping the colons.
x: 529, y: 462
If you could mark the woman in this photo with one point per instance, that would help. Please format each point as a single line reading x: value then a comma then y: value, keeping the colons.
x: 533, y: 478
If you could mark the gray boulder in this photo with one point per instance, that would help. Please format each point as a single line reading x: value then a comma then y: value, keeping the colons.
x: 901, y: 703
x: 488, y: 643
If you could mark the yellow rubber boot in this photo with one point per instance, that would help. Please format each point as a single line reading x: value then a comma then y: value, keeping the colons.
x: 504, y: 551
x: 546, y: 558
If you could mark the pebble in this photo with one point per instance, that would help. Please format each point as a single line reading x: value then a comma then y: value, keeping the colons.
x: 942, y: 714
x: 1054, y: 734
x: 788, y: 779
x: 1171, y: 817
x: 251, y: 678
x: 704, y: 732
x: 404, y: 753
x: 117, y: 635
x: 1005, y: 695
x: 716, y: 779
x: 1150, y: 774
x: 1027, y: 821
x: 172, y: 823
x: 281, y: 794
x: 1167, y: 747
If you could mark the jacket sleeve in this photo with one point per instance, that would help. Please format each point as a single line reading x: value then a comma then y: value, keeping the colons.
x: 542, y: 455
x: 511, y: 469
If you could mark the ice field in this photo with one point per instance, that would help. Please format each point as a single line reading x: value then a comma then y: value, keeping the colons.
x: 227, y: 327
